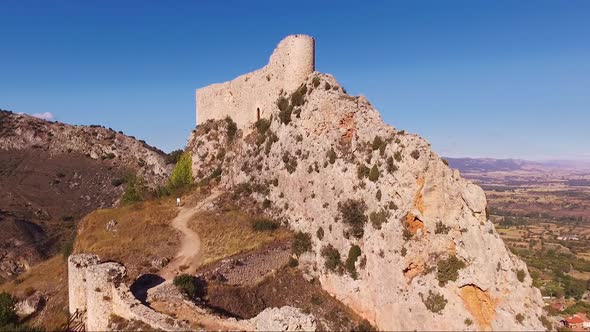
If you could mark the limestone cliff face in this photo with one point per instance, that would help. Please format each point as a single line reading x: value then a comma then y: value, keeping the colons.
x: 429, y: 258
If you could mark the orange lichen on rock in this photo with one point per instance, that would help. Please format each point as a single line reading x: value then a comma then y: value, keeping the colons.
x: 413, y: 224
x: 414, y: 269
x: 348, y: 125
x: 481, y: 305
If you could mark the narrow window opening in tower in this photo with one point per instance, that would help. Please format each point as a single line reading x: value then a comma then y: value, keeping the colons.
x: 257, y: 114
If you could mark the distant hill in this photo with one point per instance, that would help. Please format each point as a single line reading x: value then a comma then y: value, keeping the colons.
x: 481, y: 165
x: 52, y: 174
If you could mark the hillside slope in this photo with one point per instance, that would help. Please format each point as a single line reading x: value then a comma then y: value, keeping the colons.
x: 52, y: 174
x: 395, y: 234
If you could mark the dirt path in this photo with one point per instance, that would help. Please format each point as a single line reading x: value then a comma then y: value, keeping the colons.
x: 188, y: 255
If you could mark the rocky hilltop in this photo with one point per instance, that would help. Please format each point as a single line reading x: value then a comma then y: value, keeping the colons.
x: 394, y: 233
x: 52, y: 174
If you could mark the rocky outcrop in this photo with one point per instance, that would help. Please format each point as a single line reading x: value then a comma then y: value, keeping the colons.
x: 397, y: 235
x: 20, y: 131
x: 283, y: 319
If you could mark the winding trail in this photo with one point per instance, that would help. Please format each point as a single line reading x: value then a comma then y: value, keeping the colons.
x: 189, y: 253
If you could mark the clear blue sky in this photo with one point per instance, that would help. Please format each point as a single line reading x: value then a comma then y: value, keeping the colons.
x: 475, y: 78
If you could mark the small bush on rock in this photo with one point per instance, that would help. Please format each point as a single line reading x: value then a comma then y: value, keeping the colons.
x: 448, y: 269
x: 301, y: 243
x: 441, y: 228
x: 331, y: 154
x: 173, y: 157
x: 262, y: 125
x: 353, y: 254
x: 435, y: 302
x: 415, y: 154
x: 332, y: 256
x: 379, y: 218
x: 374, y: 173
x: 320, y: 233
x: 187, y: 284
x: 232, y: 128
x: 353, y: 215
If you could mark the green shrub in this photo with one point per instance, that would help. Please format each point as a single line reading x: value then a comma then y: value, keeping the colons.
x: 135, y: 190
x: 374, y: 173
x: 379, y: 218
x: 320, y: 233
x: 362, y: 171
x: 332, y: 257
x: 266, y: 203
x: 315, y: 81
x: 448, y: 269
x: 182, y: 174
x: 390, y: 166
x: 261, y: 225
x: 353, y: 254
x: 377, y: 143
x: 397, y: 156
x: 519, y: 318
x: 262, y: 125
x: 415, y: 154
x: 331, y: 154
x: 353, y: 215
x: 290, y: 162
x: 520, y: 275
x: 378, y: 195
x: 468, y: 321
x: 327, y: 86
x: 435, y: 302
x: 232, y: 128
x: 297, y: 97
x: 173, y: 157
x: 301, y: 243
x: 187, y: 284
x: 7, y: 309
x: 441, y: 228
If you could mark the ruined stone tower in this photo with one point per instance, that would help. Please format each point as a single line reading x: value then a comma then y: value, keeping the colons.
x: 252, y: 96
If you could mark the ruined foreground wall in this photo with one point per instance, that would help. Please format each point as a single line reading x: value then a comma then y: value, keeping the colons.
x: 242, y: 98
x: 98, y: 289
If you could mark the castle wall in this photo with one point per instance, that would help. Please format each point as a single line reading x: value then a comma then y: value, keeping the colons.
x: 289, y: 65
x: 98, y: 289
x: 77, y: 265
x: 101, y: 280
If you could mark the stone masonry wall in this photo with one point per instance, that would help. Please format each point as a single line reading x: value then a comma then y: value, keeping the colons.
x: 98, y: 289
x: 256, y: 92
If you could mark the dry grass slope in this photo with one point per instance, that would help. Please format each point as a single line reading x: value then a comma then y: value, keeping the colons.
x: 142, y: 233
x: 230, y: 233
x: 49, y: 278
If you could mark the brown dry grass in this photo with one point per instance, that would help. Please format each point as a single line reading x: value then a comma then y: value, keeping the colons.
x: 49, y: 278
x: 230, y: 233
x: 143, y: 233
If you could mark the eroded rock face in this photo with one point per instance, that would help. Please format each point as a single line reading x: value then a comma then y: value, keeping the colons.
x: 283, y: 319
x: 429, y: 258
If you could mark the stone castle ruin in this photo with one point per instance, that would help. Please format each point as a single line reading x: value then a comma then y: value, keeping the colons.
x: 97, y: 291
x: 252, y: 96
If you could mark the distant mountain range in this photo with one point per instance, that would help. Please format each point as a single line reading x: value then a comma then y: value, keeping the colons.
x: 470, y: 165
